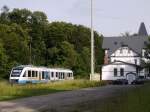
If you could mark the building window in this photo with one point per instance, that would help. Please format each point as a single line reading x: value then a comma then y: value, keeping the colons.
x: 137, y: 70
x: 115, y: 43
x: 129, y: 51
x: 121, y: 51
x: 121, y: 72
x: 115, y: 72
x: 135, y: 61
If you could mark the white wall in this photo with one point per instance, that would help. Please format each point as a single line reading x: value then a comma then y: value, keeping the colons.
x: 125, y: 54
x: 108, y: 71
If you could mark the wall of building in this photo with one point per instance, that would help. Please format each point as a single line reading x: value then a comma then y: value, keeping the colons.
x: 108, y: 71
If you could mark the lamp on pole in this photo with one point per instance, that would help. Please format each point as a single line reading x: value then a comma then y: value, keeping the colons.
x: 92, y: 43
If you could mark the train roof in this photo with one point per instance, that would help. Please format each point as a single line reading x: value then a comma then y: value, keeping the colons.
x: 42, y: 67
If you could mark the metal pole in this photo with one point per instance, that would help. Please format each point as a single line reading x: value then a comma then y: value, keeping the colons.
x: 92, y: 43
x: 30, y: 51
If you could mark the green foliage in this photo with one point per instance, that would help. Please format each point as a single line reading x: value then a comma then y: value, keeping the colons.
x: 78, y: 37
x: 3, y: 62
x: 56, y: 44
x: 147, y: 55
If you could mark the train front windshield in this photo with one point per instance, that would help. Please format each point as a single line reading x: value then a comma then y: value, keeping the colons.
x: 16, y: 72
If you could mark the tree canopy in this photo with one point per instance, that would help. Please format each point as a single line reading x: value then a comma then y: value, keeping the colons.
x: 55, y: 44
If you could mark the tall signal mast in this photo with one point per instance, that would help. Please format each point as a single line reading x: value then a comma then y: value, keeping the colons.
x: 92, y: 43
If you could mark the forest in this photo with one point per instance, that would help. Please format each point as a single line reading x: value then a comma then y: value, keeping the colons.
x: 28, y: 37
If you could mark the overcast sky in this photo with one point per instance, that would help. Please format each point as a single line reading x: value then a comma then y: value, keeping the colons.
x: 111, y: 17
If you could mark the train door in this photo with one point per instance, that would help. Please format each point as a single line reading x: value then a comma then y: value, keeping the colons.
x: 40, y: 76
x: 65, y: 75
x: 49, y: 75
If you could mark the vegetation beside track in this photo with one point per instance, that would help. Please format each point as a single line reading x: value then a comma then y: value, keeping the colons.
x: 8, y: 91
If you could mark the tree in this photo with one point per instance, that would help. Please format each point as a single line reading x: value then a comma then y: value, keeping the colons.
x: 4, y: 14
x: 68, y: 54
x: 146, y: 62
x: 56, y: 44
x: 3, y: 62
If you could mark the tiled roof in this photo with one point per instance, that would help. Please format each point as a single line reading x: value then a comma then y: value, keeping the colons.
x: 136, y: 43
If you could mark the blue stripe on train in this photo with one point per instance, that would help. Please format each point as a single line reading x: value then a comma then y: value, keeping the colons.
x: 31, y: 81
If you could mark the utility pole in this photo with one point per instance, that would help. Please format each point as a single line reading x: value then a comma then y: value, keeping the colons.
x: 30, y: 61
x: 92, y: 43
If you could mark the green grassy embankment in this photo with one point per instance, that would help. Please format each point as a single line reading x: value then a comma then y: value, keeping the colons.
x: 8, y: 92
x: 134, y: 100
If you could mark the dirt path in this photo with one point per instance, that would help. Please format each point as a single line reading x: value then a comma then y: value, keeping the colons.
x: 62, y: 101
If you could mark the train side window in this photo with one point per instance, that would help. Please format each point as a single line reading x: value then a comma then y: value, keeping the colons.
x: 47, y: 75
x: 24, y: 75
x: 56, y: 74
x: 60, y: 75
x: 63, y: 75
x: 68, y: 74
x: 52, y: 74
x: 36, y: 73
x: 29, y: 73
x: 43, y: 75
x: 33, y: 73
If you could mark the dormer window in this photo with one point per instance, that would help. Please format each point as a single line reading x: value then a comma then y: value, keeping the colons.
x: 145, y: 43
x: 135, y: 61
x: 115, y: 43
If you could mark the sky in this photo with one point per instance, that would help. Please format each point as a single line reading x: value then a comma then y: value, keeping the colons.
x: 111, y: 17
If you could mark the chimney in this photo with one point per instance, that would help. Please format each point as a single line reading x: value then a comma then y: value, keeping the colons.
x: 106, y: 59
x: 142, y: 30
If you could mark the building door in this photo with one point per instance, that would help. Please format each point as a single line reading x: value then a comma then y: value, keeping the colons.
x: 131, y: 77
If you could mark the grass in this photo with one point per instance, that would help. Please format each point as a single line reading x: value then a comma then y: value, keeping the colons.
x: 134, y: 100
x: 8, y: 92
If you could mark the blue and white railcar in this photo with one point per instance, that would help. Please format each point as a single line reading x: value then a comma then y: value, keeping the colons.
x: 32, y: 74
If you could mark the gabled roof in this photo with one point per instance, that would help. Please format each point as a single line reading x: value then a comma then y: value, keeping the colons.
x: 136, y: 43
x: 142, y: 30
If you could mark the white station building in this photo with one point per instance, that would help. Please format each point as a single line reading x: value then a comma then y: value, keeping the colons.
x: 124, y: 56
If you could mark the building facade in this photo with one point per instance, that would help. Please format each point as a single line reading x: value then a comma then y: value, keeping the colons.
x: 124, y: 56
